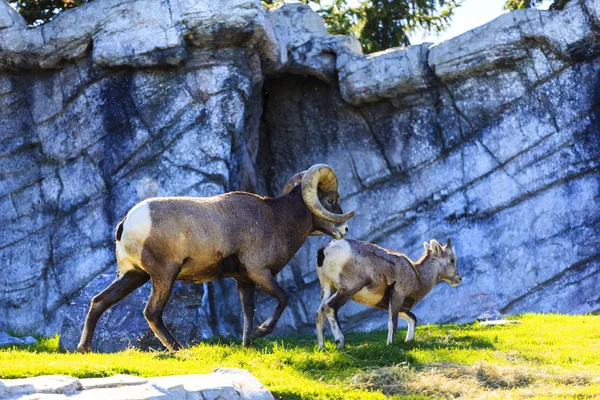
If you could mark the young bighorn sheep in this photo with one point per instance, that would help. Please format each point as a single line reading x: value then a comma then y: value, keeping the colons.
x: 380, y: 278
x: 240, y: 235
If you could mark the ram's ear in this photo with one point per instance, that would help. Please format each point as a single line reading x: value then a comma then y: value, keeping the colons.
x: 436, y: 248
x: 427, y: 247
x: 449, y: 244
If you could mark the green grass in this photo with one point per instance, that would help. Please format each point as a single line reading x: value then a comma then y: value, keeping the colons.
x: 545, y: 356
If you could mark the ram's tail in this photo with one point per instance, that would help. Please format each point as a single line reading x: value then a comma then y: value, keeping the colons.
x: 119, y: 230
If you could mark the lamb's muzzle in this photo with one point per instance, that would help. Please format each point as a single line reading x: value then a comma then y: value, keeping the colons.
x: 238, y: 235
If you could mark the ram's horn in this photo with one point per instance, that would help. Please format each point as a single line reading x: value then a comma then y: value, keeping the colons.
x: 321, y: 176
x: 294, y: 180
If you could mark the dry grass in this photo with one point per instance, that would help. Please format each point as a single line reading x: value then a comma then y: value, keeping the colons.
x: 482, y: 380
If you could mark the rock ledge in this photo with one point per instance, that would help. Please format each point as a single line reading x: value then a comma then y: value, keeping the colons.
x: 222, y: 383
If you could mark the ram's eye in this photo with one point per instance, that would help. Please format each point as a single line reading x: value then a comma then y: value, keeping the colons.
x: 452, y: 261
x: 330, y: 202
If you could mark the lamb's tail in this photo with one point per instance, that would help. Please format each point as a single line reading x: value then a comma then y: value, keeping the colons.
x: 320, y: 256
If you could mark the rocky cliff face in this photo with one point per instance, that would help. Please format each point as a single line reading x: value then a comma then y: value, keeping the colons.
x: 490, y: 138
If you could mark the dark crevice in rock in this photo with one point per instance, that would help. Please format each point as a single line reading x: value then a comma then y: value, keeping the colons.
x: 592, y: 18
x: 502, y: 166
x: 378, y: 141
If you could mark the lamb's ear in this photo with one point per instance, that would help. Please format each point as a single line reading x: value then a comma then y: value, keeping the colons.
x: 436, y: 248
x: 427, y: 247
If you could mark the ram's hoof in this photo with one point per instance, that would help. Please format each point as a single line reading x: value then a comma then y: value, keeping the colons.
x: 84, y: 349
x: 258, y: 333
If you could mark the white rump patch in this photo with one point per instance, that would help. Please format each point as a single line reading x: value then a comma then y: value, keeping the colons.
x: 337, y: 253
x: 138, y: 220
x: 136, y: 229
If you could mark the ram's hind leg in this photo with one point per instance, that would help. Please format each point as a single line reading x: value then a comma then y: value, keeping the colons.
x: 117, y: 291
x: 267, y: 283
x: 246, y: 292
x: 162, y: 284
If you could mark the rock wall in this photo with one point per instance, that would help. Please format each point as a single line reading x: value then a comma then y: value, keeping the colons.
x: 490, y: 138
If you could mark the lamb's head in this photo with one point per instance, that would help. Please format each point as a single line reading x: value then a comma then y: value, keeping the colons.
x: 445, y: 260
x: 319, y: 187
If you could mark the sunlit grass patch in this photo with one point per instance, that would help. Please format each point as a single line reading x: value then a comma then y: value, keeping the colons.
x: 545, y: 356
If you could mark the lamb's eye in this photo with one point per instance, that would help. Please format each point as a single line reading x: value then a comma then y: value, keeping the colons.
x: 451, y: 261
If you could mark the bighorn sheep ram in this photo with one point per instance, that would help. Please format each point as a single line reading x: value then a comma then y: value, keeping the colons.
x: 240, y: 235
x: 377, y: 277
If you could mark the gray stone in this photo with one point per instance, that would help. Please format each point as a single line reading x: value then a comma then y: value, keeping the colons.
x: 385, y: 75
x: 50, y: 384
x: 29, y: 340
x: 7, y: 340
x: 489, y: 138
x: 296, y: 24
x: 222, y: 383
x: 500, y: 322
x: 322, y: 56
x: 9, y: 17
x: 111, y: 381
x: 490, y: 315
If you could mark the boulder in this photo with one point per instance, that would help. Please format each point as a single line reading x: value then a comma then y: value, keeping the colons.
x: 8, y: 340
x: 222, y: 383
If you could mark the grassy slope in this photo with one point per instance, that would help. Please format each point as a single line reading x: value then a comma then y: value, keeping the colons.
x: 546, y: 355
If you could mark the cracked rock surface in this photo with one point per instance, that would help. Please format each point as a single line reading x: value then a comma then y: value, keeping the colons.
x: 222, y: 383
x: 490, y: 138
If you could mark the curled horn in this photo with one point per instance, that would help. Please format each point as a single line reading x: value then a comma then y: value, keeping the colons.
x: 321, y: 176
x: 294, y: 180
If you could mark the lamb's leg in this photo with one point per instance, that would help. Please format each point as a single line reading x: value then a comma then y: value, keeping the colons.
x: 394, y: 307
x: 161, y: 290
x: 326, y: 290
x: 267, y: 283
x: 411, y: 320
x: 117, y: 291
x: 331, y: 307
x: 246, y: 293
